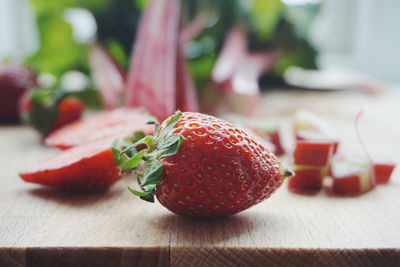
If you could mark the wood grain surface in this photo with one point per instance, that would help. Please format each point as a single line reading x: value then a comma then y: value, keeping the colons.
x: 40, y: 226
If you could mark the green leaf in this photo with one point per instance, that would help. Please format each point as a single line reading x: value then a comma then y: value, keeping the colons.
x: 146, y: 195
x: 133, y: 161
x: 137, y: 193
x: 150, y: 190
x: 117, y: 146
x: 90, y: 97
x: 58, y: 52
x: 147, y: 140
x: 171, y: 145
x: 153, y: 177
x: 118, y: 53
x: 171, y: 123
x: 44, y: 112
x: 156, y: 126
x: 136, y: 136
x: 119, y: 159
x: 172, y: 139
x: 142, y: 4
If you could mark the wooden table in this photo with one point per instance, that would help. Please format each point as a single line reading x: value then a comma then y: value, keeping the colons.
x: 44, y: 227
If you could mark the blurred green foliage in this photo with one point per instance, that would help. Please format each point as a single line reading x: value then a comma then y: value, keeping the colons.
x: 58, y: 51
x: 265, y: 15
x: 270, y: 24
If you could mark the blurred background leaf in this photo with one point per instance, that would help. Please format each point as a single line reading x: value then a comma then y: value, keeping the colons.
x: 265, y: 15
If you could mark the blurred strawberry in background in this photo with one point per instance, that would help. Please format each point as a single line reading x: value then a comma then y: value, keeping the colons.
x: 49, y: 110
x: 15, y: 80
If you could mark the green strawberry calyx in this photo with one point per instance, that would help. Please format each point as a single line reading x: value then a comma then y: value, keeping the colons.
x: 44, y: 111
x: 132, y: 153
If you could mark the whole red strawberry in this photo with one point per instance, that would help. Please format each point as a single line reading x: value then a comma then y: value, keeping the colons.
x: 69, y: 110
x: 202, y: 166
x: 49, y: 110
x: 14, y: 81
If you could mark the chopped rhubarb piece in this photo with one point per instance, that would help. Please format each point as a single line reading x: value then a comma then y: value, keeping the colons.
x: 117, y: 123
x: 310, y: 127
x: 232, y: 53
x: 383, y: 171
x: 87, y: 167
x: 108, y: 76
x: 186, y: 96
x: 251, y: 67
x: 242, y: 90
x: 151, y: 80
x: 317, y: 154
x: 307, y: 180
x: 348, y: 185
x: 305, y: 135
x: 236, y: 72
x: 351, y: 175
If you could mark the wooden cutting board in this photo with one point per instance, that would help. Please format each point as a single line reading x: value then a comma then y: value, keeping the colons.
x: 44, y: 227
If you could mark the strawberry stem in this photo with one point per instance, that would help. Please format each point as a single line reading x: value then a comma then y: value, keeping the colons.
x: 286, y: 173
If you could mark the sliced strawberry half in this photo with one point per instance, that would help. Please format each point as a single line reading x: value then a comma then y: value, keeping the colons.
x: 117, y: 123
x: 351, y: 175
x: 87, y: 167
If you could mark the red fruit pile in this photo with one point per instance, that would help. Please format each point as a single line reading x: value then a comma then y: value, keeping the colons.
x: 317, y: 163
x: 202, y: 166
